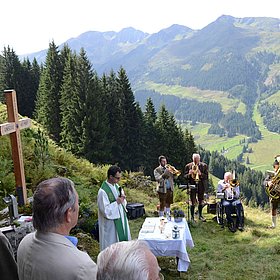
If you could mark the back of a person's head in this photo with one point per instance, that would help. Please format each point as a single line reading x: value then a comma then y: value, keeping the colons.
x: 123, y: 261
x: 51, y: 200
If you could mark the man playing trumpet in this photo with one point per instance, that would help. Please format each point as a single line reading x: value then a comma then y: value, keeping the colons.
x: 164, y: 175
x: 230, y: 188
x: 196, y: 173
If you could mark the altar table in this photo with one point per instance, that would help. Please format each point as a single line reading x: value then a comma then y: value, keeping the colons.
x: 162, y: 243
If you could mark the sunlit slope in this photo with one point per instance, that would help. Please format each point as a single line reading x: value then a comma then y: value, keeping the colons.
x: 275, y: 98
x: 265, y: 150
x: 230, y: 147
x: 228, y: 104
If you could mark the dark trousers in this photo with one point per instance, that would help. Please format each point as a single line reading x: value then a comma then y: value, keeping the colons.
x: 229, y: 209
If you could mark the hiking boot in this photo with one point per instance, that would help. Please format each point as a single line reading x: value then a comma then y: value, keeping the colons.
x: 201, y: 218
x: 241, y: 228
x: 231, y: 228
x: 271, y: 227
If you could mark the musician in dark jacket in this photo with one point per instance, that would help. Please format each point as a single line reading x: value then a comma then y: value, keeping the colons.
x: 196, y: 173
x: 165, y: 185
x: 8, y: 266
x: 274, y: 202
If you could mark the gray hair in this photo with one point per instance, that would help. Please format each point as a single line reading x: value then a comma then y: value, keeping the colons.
x: 52, y: 198
x: 228, y: 174
x: 123, y: 260
x: 196, y: 156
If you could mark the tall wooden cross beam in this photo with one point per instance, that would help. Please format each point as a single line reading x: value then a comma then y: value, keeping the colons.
x: 13, y: 127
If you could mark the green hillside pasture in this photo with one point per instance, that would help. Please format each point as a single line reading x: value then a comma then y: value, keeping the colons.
x: 228, y: 104
x: 269, y: 41
x: 265, y: 150
x: 220, y: 254
x: 275, y: 98
x: 212, y: 142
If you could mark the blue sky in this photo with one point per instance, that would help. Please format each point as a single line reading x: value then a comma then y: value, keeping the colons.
x: 29, y: 25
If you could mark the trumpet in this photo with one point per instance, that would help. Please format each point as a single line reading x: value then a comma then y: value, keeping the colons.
x: 233, y: 183
x: 195, y: 174
x: 173, y: 170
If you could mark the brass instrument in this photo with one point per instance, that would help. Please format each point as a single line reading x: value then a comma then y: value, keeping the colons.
x: 173, y: 170
x: 195, y: 174
x: 233, y: 184
x: 274, y: 189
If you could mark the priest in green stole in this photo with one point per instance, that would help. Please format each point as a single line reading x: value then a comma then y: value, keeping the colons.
x: 112, y: 218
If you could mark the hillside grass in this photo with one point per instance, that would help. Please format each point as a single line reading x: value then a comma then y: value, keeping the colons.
x: 228, y: 104
x: 275, y: 98
x: 220, y: 254
x: 231, y: 146
x: 265, y: 150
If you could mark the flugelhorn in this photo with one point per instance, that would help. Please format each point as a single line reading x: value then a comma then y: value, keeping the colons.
x: 233, y: 184
x: 195, y: 174
x: 173, y: 170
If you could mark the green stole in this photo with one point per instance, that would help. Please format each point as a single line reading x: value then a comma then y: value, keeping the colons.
x: 122, y: 232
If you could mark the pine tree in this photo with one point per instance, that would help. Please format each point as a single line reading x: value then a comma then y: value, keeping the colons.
x: 48, y: 96
x: 31, y: 77
x: 12, y: 74
x: 132, y: 123
x: 70, y: 107
x: 152, y: 140
x: 114, y: 110
x: 96, y: 145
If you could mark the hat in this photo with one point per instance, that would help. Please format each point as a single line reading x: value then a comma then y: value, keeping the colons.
x: 277, y: 160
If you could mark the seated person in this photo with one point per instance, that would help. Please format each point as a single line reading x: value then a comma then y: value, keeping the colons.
x: 129, y: 260
x: 8, y: 266
x: 231, y: 199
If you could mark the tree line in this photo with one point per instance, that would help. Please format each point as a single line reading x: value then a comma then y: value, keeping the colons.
x: 96, y: 117
x: 185, y: 110
x: 270, y: 114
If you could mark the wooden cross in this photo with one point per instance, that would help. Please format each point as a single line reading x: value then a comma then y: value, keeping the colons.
x: 13, y: 127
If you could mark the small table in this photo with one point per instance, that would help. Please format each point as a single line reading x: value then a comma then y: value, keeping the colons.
x: 162, y: 244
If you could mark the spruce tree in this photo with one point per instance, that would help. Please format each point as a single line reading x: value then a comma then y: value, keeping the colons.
x: 152, y: 140
x: 31, y: 77
x: 114, y: 110
x: 96, y: 145
x: 70, y: 107
x: 48, y: 96
x: 132, y: 123
x: 172, y: 141
x: 12, y: 74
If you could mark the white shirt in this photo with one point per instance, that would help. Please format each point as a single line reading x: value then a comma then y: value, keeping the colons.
x: 235, y: 200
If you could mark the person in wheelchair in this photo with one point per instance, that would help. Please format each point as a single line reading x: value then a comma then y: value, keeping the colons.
x: 231, y: 201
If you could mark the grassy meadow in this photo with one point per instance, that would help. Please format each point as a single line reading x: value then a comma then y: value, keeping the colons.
x: 263, y: 151
x: 228, y: 104
x: 220, y: 254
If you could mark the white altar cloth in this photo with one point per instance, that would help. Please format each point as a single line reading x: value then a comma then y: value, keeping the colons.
x: 162, y: 244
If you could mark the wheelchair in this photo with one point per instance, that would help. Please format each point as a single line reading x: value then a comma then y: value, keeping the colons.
x: 221, y: 213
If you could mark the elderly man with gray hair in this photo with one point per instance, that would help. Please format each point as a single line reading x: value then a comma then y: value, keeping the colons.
x: 50, y: 253
x: 129, y: 260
